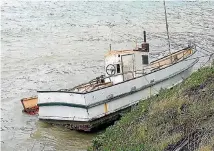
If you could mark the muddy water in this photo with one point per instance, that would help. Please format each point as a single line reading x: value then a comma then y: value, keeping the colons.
x: 54, y: 45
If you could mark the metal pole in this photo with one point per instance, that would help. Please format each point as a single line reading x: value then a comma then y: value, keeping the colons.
x: 167, y: 30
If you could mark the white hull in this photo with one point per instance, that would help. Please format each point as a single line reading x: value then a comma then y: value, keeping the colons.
x: 72, y: 106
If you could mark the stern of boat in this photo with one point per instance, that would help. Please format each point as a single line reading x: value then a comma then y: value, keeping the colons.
x: 58, y: 105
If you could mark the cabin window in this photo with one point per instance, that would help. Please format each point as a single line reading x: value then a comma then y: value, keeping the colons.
x: 145, y: 59
x: 118, y: 68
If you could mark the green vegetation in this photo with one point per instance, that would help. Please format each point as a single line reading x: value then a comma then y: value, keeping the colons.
x: 166, y: 119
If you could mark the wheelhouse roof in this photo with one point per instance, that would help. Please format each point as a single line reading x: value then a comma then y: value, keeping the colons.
x: 118, y: 52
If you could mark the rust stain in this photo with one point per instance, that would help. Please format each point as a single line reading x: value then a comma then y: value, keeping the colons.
x: 106, y: 107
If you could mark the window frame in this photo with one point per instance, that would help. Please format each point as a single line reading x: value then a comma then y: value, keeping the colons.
x: 143, y: 59
x: 118, y: 68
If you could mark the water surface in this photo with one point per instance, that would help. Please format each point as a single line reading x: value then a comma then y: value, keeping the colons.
x: 56, y: 45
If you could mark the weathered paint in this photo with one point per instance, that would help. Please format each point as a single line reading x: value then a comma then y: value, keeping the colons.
x: 118, y: 52
x: 61, y: 97
x: 116, y: 97
x: 29, y: 102
x: 129, y: 100
x: 128, y: 66
x: 63, y: 113
x: 106, y: 107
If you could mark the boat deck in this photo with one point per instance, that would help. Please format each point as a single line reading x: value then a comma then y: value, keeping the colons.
x: 99, y: 83
x: 168, y: 60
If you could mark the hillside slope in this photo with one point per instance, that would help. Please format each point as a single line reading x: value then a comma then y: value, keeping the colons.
x: 179, y: 117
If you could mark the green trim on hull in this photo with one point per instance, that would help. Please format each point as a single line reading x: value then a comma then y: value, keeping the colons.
x: 63, y: 104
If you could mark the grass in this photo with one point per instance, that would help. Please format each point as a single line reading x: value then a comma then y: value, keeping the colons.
x: 165, y: 119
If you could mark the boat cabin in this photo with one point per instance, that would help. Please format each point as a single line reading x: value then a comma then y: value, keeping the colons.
x: 123, y: 65
x: 126, y: 64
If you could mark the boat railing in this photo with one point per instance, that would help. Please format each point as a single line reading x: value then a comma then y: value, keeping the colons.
x: 100, y: 81
x: 152, y: 67
x: 155, y: 65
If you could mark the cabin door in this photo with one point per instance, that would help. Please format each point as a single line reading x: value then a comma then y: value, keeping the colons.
x: 127, y: 66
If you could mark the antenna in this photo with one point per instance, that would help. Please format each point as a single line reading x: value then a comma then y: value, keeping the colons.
x: 136, y: 44
x: 167, y: 30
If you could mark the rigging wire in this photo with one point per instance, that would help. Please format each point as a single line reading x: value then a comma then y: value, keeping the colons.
x: 210, y: 56
x: 151, y: 86
x: 204, y: 28
x: 199, y: 57
x: 204, y: 49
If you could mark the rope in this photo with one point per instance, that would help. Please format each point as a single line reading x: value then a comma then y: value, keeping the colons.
x: 203, y: 49
x: 208, y: 60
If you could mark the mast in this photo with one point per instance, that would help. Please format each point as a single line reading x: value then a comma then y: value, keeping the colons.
x: 167, y: 30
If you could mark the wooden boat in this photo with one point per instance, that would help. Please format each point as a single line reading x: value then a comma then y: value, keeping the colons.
x: 30, y: 105
x: 129, y: 78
